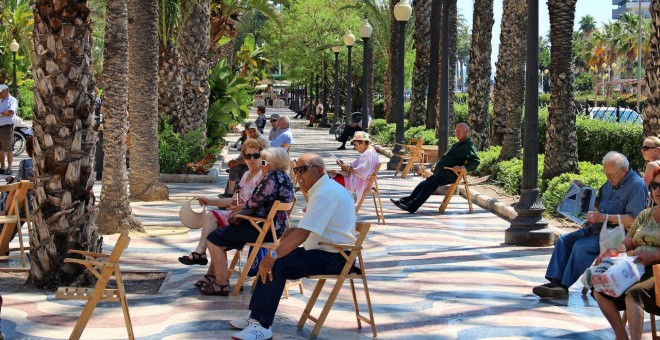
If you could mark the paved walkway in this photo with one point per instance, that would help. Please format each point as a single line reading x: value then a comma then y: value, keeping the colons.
x: 431, y: 277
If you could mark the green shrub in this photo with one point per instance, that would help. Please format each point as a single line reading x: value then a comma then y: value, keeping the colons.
x: 461, y: 98
x: 379, y: 111
x: 509, y: 174
x: 461, y: 113
x: 185, y: 154
x: 26, y: 99
x: 386, y: 136
x: 590, y: 174
x: 488, y: 161
x: 544, y: 99
x: 584, y: 82
x: 377, y: 126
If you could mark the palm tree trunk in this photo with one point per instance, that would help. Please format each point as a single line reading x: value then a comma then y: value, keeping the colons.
x: 169, y: 85
x: 195, y: 41
x: 64, y: 143
x: 434, y: 61
x: 115, y: 214
x: 144, y: 177
x: 561, y: 154
x: 479, y: 73
x: 420, y: 77
x: 652, y: 116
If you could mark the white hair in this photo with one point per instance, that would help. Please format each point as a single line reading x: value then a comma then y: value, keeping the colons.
x: 617, y: 159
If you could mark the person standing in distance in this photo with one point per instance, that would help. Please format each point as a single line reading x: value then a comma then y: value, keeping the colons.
x: 8, y: 109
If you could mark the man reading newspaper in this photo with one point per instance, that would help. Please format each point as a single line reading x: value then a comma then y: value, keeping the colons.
x: 577, y: 202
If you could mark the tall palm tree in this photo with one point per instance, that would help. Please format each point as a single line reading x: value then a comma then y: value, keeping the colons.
x: 434, y: 61
x: 652, y: 116
x: 144, y: 177
x: 479, y: 73
x: 195, y: 42
x: 420, y: 76
x: 561, y: 147
x: 587, y: 24
x: 64, y: 210
x: 115, y: 214
x: 395, y: 35
x: 509, y: 77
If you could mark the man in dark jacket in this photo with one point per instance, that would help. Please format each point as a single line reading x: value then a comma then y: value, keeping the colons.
x: 461, y: 154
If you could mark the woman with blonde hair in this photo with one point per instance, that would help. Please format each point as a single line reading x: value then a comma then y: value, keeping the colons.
x: 651, y: 154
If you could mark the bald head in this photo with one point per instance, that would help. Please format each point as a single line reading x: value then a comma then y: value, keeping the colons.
x: 462, y: 131
x: 314, y: 169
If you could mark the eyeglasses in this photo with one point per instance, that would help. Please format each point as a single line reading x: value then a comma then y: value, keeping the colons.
x: 647, y: 148
x: 301, y: 170
x: 273, y: 120
x: 255, y: 155
x: 654, y: 185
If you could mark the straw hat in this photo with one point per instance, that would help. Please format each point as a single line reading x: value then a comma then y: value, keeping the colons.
x: 361, y: 135
x: 190, y: 218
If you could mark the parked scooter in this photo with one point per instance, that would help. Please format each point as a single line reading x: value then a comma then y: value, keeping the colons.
x: 21, y: 132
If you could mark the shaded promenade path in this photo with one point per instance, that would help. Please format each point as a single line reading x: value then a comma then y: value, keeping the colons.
x: 431, y: 276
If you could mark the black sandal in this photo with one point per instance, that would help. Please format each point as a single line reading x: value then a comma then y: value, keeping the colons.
x: 210, y: 289
x: 196, y: 258
x: 208, y: 279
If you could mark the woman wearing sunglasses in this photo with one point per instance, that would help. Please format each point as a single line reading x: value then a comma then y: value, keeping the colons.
x: 251, y: 151
x: 275, y: 185
x: 643, y: 240
x: 651, y: 154
x: 354, y: 176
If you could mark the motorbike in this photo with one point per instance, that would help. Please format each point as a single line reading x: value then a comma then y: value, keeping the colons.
x: 21, y: 132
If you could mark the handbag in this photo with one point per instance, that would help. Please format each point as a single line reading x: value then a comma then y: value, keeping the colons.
x: 254, y: 269
x: 611, y: 237
x: 614, y: 275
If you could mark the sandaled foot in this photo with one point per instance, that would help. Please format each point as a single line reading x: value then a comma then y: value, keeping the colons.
x: 194, y: 258
x: 215, y: 289
x: 207, y: 280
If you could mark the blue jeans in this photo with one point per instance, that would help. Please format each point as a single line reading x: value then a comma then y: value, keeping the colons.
x: 423, y: 191
x: 573, y: 254
x: 297, y: 264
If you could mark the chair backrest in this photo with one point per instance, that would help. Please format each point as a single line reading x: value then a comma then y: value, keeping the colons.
x: 122, y: 243
x: 416, y: 146
x: 292, y: 164
x: 279, y: 206
x: 371, y: 182
x: 16, y: 193
x: 362, y: 230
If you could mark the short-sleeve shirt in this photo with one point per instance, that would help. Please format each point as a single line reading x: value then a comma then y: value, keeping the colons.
x: 628, y: 198
x: 645, y: 232
x: 7, y: 104
x: 285, y: 136
x: 330, y: 215
x: 274, y: 132
x: 364, y: 166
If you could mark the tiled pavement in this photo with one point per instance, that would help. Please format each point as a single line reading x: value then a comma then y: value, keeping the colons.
x: 431, y: 276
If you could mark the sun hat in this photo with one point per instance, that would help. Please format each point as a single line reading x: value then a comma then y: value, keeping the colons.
x: 190, y: 218
x: 361, y: 135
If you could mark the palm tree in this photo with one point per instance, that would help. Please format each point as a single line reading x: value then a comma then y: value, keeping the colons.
x: 652, y: 116
x: 392, y: 51
x: 195, y: 42
x: 16, y: 22
x: 144, y: 177
x: 115, y: 214
x: 509, y: 77
x: 434, y: 61
x: 587, y: 24
x: 561, y: 138
x: 64, y: 209
x: 420, y: 77
x: 479, y: 73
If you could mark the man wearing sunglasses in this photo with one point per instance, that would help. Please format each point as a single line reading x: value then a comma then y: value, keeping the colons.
x: 274, y: 130
x: 330, y: 217
x: 622, y: 197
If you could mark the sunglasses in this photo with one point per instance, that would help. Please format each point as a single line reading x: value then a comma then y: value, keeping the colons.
x: 301, y: 170
x: 252, y: 155
x: 654, y: 185
x: 273, y: 120
x: 647, y: 148
x: 357, y: 142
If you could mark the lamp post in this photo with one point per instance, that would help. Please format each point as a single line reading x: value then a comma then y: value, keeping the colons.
x: 542, y: 73
x: 336, y: 49
x: 13, y: 47
x: 349, y: 41
x: 365, y: 33
x: 402, y: 13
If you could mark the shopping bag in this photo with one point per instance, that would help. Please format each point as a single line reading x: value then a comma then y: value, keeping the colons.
x: 614, y: 275
x: 257, y: 260
x: 611, y: 237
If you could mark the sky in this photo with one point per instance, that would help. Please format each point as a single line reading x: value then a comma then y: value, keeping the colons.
x: 601, y: 10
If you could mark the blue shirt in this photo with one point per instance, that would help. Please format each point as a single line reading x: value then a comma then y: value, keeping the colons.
x: 285, y: 136
x: 628, y: 198
x: 8, y: 104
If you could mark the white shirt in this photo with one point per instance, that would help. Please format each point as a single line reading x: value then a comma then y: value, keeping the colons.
x: 330, y: 215
x: 8, y: 104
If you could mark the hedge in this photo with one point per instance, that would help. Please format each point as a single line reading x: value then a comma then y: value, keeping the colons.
x: 488, y: 161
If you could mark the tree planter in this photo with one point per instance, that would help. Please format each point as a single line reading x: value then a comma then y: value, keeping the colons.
x: 211, y: 177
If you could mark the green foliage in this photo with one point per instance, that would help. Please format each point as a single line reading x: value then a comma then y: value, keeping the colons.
x: 26, y: 99
x: 460, y: 98
x: 596, y: 138
x: 421, y: 131
x: 377, y: 126
x: 379, y: 111
x: 584, y: 82
x: 590, y: 174
x: 461, y: 112
x: 544, y: 100
x: 230, y: 102
x: 179, y: 154
x: 488, y: 161
x: 509, y: 174
x: 18, y: 22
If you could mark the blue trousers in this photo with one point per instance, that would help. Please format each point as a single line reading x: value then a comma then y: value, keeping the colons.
x: 297, y: 264
x: 573, y: 254
x: 423, y: 191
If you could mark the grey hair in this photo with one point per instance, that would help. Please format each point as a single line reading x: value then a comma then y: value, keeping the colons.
x: 285, y: 119
x: 277, y: 157
x: 316, y: 160
x: 617, y: 159
x: 464, y: 125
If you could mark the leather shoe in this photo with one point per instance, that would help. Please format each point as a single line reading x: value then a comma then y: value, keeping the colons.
x: 400, y: 205
x: 551, y: 291
x: 341, y: 147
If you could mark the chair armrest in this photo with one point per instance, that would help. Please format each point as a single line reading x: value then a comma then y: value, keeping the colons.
x: 454, y: 171
x: 88, y: 262
x: 251, y: 218
x: 88, y: 253
x: 340, y: 246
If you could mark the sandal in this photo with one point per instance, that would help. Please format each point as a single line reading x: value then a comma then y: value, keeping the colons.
x: 196, y: 258
x: 210, y: 289
x: 208, y: 279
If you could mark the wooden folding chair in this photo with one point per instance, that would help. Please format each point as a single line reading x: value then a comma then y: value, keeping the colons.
x: 103, y: 266
x: 16, y: 201
x: 462, y: 176
x: 351, y: 272
x: 372, y: 188
x: 413, y: 154
x: 263, y: 225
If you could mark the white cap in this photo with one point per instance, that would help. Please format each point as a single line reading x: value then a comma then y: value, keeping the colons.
x: 190, y: 218
x: 3, y: 87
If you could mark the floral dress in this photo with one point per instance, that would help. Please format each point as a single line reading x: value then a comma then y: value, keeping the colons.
x: 275, y: 186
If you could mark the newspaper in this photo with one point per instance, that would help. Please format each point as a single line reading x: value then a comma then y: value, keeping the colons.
x: 578, y: 200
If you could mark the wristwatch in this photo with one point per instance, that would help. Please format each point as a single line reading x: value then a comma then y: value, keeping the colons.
x: 273, y: 254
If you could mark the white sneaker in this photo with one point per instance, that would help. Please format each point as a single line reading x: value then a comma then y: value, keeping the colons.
x: 244, y: 322
x: 254, y: 331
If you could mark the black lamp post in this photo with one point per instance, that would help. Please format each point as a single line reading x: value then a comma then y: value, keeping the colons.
x: 365, y: 32
x: 402, y: 13
x: 336, y: 49
x: 349, y: 41
x: 13, y: 47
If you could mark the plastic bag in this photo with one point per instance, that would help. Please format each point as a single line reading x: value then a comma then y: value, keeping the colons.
x: 611, y: 237
x: 614, y: 275
x: 257, y: 260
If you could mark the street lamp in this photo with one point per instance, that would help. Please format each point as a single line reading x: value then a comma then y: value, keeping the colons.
x: 402, y: 13
x: 542, y: 73
x: 336, y: 49
x: 13, y: 47
x: 349, y: 41
x: 365, y: 33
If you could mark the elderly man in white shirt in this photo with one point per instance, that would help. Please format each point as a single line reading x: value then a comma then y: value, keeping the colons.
x: 330, y: 217
x: 8, y: 109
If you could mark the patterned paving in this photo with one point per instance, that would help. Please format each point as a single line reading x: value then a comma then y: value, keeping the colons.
x: 431, y: 276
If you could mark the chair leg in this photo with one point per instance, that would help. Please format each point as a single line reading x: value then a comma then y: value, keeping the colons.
x: 310, y: 304
x: 124, y: 305
x: 467, y: 194
x: 406, y: 170
x: 86, y: 313
x: 244, y: 272
x: 328, y: 305
x: 654, y: 333
x: 20, y: 243
x: 372, y: 322
x: 398, y: 166
x: 448, y: 195
x: 234, y: 261
x: 355, y: 304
